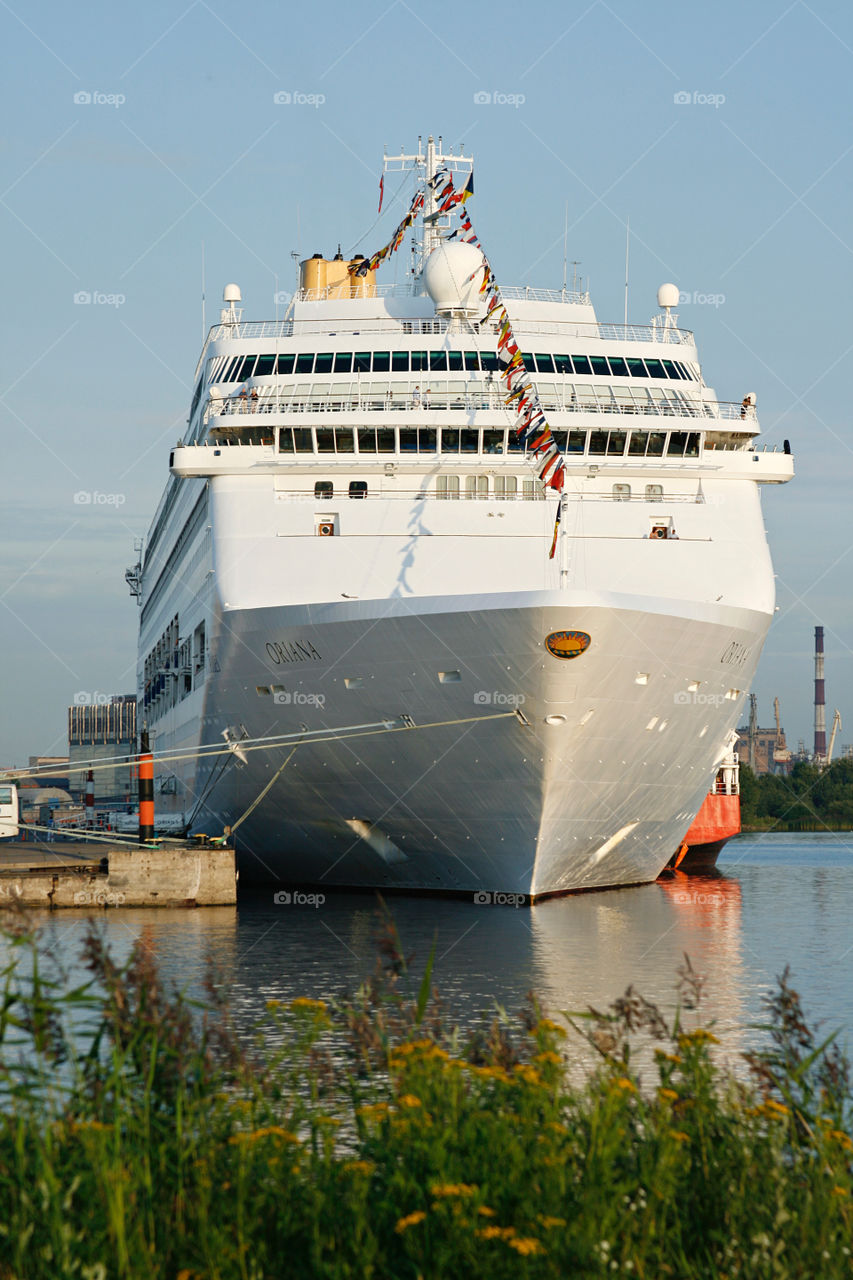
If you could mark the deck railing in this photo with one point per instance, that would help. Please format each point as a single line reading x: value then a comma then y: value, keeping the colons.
x: 241, y: 404
x: 273, y: 330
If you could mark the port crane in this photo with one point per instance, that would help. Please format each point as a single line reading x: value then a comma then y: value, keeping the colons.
x: 781, y: 755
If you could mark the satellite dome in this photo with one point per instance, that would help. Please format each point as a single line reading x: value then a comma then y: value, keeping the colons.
x: 452, y: 276
x: 668, y: 295
x: 231, y: 293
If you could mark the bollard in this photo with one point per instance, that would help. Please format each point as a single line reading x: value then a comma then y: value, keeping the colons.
x: 146, y: 789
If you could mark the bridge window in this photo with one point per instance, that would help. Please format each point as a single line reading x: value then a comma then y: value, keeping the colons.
x: 618, y: 367
x: 427, y: 439
x: 472, y: 361
x: 420, y: 363
x: 654, y: 448
x: 655, y: 368
x: 361, y: 362
x: 599, y: 366
x: 325, y: 440
x: 302, y: 440
x: 576, y: 442
x: 493, y: 441
x: 544, y: 363
x: 637, y: 369
x: 563, y: 364
x: 386, y: 441
x: 343, y: 362
x: 470, y: 440
x: 264, y: 367
x: 381, y: 361
x: 582, y: 365
x: 323, y: 363
x: 305, y: 362
x: 677, y: 441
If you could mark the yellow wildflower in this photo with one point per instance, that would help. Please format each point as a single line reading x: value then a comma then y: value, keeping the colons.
x: 485, y: 1212
x: 624, y: 1083
x: 410, y: 1220
x: 409, y: 1100
x: 528, y: 1075
x: 841, y: 1191
x: 358, y: 1166
x: 668, y: 1057
x: 699, y: 1036
x: 495, y: 1233
x: 371, y: 1109
x: 526, y: 1245
x: 772, y: 1107
x: 843, y: 1139
x: 556, y: 1127
x: 679, y: 1135
x: 452, y: 1189
x: 554, y: 1028
x: 548, y: 1223
x: 302, y: 1002
x: 548, y: 1056
x: 274, y: 1004
x: 669, y: 1094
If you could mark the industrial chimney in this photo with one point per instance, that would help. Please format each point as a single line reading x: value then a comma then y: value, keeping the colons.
x: 819, y: 697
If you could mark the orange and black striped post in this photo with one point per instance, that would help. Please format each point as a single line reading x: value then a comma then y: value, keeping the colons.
x: 146, y: 789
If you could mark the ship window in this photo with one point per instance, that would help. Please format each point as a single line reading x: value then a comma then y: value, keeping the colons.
x: 381, y: 361
x: 622, y: 492
x: 514, y: 445
x: 616, y: 443
x: 472, y: 361
x: 561, y: 439
x: 305, y: 362
x: 285, y: 364
x: 563, y: 364
x: 470, y: 440
x: 655, y: 369
x: 325, y: 440
x: 343, y: 440
x: 671, y: 369
x: 367, y: 440
x: 576, y: 442
x: 677, y: 441
x: 510, y: 487
x: 454, y: 361
x: 438, y: 362
x: 399, y: 361
x: 361, y: 362
x: 599, y: 366
x: 302, y: 440
x: 427, y: 439
x: 343, y: 362
x: 244, y: 369
x: 420, y: 362
x: 683, y: 370
x: 358, y: 488
x: 528, y: 361
x: 493, y: 442
x: 534, y: 489
x: 582, y: 365
x: 386, y: 440
x: 285, y: 440
x: 229, y: 372
x: 476, y: 486
x: 408, y: 439
x: 637, y: 369
x: 655, y: 445
x: 692, y: 450
x: 618, y: 367
x: 264, y: 367
x: 323, y: 363
x: 597, y: 442
x: 449, y: 440
x: 447, y: 487
x: 637, y: 446
x: 544, y: 363
x: 654, y: 493
x: 489, y: 361
x: 324, y: 489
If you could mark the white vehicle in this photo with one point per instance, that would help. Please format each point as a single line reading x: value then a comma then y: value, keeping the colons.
x: 352, y: 547
x: 8, y: 811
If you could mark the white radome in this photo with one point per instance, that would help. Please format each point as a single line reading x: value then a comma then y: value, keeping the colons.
x: 668, y: 295
x: 452, y: 276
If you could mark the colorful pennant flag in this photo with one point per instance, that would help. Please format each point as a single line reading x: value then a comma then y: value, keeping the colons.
x: 557, y: 520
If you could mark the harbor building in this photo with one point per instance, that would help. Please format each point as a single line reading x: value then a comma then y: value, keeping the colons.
x: 98, y: 732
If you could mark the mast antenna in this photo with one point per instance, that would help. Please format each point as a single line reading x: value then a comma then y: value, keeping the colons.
x: 565, y: 250
x: 203, y: 321
x: 627, y: 244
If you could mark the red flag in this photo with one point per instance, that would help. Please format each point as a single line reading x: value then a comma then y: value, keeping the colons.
x: 381, y: 191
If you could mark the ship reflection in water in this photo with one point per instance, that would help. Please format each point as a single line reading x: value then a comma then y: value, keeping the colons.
x: 778, y: 900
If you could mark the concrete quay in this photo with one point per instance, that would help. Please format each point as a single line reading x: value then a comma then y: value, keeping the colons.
x: 85, y: 875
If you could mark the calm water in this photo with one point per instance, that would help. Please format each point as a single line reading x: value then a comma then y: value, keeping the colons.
x: 776, y: 900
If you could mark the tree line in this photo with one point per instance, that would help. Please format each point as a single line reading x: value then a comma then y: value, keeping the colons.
x: 808, y: 799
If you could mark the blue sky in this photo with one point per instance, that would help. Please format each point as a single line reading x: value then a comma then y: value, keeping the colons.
x: 132, y: 135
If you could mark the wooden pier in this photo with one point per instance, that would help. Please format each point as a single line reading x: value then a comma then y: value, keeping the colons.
x: 88, y: 876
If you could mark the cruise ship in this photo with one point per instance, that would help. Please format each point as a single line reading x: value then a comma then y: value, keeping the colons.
x: 381, y: 645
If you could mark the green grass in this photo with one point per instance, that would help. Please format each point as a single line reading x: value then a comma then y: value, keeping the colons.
x: 140, y: 1136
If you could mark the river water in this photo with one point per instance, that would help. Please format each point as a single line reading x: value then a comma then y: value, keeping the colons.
x: 776, y: 900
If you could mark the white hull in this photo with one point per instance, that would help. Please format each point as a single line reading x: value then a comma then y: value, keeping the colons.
x: 491, y: 804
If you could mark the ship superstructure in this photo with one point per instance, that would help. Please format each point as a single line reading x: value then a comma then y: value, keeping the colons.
x: 354, y: 547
